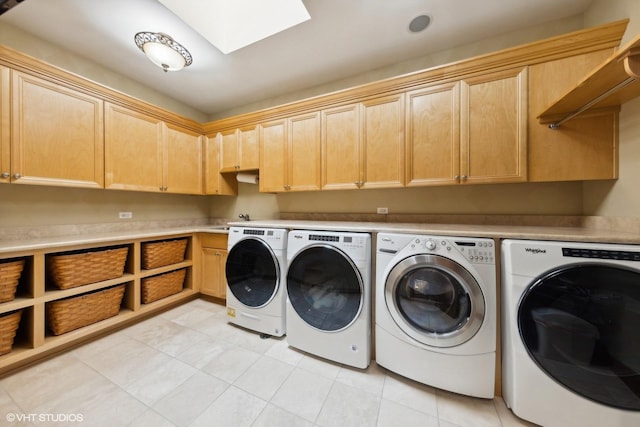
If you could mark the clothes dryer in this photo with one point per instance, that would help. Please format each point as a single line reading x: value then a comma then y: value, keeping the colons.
x: 436, y: 310
x: 255, y: 269
x: 571, y: 343
x: 329, y: 295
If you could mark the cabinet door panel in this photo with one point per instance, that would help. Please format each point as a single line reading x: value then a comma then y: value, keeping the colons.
x: 341, y: 147
x: 273, y: 154
x: 303, y: 163
x: 229, y: 160
x: 433, y: 135
x: 383, y: 140
x: 57, y: 134
x: 248, y: 148
x: 494, y: 127
x: 214, y: 181
x: 133, y: 150
x: 183, y: 161
x: 5, y: 126
x: 213, y: 276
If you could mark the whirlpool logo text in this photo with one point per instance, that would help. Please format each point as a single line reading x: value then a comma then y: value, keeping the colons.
x: 535, y: 251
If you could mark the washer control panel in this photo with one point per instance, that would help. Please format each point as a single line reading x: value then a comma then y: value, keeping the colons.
x: 476, y: 250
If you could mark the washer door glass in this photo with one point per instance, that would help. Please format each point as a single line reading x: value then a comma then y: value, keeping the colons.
x: 325, y: 288
x: 434, y: 300
x: 580, y: 324
x: 253, y: 273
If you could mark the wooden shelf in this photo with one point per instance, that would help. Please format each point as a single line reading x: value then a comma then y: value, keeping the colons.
x: 612, y: 84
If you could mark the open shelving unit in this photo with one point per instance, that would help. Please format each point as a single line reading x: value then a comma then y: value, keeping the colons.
x: 615, y: 82
x: 35, y: 290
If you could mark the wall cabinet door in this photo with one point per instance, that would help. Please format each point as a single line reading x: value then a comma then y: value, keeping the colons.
x: 273, y: 155
x: 303, y: 154
x: 433, y: 135
x: 5, y: 126
x: 214, y: 181
x: 133, y: 150
x: 493, y: 132
x: 341, y: 148
x: 183, y: 161
x: 214, y: 282
x: 239, y: 149
x: 57, y: 134
x: 383, y: 142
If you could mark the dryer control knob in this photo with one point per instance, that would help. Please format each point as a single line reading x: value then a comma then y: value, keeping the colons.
x: 430, y: 244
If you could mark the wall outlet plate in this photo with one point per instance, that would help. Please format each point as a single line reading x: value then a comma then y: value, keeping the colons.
x: 125, y: 215
x: 383, y: 211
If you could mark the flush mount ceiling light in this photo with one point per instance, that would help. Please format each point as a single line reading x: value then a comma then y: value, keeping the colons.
x: 163, y: 51
x: 419, y: 23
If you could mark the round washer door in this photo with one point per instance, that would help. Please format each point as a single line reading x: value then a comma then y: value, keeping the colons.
x: 253, y: 272
x: 434, y: 300
x: 325, y: 288
x: 579, y: 324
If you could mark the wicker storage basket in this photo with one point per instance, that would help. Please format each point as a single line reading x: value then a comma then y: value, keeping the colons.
x: 163, y: 285
x: 72, y: 313
x: 8, y: 327
x: 158, y: 254
x: 9, y: 277
x: 77, y: 269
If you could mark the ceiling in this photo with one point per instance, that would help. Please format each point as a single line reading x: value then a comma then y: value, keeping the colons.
x: 343, y: 38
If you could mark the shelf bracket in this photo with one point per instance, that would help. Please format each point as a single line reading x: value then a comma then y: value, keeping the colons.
x: 594, y: 101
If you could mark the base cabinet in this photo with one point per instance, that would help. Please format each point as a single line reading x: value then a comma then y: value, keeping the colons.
x: 213, y: 254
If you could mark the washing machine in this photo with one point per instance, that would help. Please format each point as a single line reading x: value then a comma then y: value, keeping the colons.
x: 329, y: 295
x: 436, y: 310
x: 571, y: 335
x: 255, y: 269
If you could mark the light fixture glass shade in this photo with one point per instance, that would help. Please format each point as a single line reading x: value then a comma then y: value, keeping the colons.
x: 163, y: 51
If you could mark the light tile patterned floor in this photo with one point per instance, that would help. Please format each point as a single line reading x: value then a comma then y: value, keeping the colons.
x: 188, y: 367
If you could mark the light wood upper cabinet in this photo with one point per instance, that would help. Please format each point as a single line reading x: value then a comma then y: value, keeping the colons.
x: 56, y: 133
x: 133, y: 150
x: 214, y: 181
x: 303, y: 154
x: 383, y: 142
x: 239, y: 149
x: 363, y: 144
x: 433, y: 135
x: 142, y: 153
x: 341, y: 148
x: 5, y: 126
x: 183, y: 161
x: 493, y: 130
x: 273, y: 154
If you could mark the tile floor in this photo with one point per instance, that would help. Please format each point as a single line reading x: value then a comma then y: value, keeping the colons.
x: 188, y: 367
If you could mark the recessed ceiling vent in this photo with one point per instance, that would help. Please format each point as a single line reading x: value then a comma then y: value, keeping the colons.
x: 419, y: 23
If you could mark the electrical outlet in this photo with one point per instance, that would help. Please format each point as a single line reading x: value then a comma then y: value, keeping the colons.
x: 383, y: 211
x: 125, y: 215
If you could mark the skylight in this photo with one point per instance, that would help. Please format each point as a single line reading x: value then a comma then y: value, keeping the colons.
x: 233, y: 24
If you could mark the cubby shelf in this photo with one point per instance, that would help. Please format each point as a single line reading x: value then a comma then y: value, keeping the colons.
x: 35, y: 291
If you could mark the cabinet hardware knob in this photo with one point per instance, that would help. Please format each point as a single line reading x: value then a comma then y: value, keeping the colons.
x: 5, y: 175
x: 464, y: 177
x: 457, y: 178
x: 17, y: 176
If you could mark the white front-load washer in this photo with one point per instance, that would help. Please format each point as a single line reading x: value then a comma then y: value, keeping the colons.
x: 255, y: 269
x: 436, y: 310
x: 571, y: 341
x: 329, y: 295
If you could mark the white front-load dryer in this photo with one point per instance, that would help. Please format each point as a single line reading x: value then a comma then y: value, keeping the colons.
x: 570, y: 333
x: 436, y: 310
x: 329, y: 295
x: 255, y: 269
